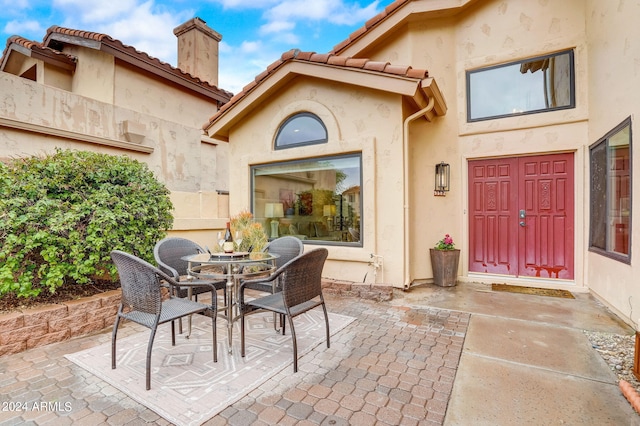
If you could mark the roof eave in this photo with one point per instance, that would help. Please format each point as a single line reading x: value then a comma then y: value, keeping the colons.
x: 59, y: 61
x: 412, y: 88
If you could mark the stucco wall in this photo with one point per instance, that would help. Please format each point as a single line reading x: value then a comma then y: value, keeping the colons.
x: 179, y: 158
x: 357, y: 120
x: 613, y: 76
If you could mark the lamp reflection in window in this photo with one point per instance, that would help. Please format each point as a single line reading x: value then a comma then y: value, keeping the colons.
x: 274, y: 211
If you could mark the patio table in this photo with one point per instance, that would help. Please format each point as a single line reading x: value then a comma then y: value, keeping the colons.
x: 232, y: 267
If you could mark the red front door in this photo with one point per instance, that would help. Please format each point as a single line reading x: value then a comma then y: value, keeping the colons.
x: 521, y: 216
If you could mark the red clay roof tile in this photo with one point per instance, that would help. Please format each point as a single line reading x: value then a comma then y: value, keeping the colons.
x: 375, y: 66
x: 340, y: 61
x: 320, y: 57
x: 417, y: 73
x: 356, y: 62
x: 396, y: 69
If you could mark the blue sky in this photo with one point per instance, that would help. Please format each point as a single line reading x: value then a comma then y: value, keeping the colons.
x: 254, y: 32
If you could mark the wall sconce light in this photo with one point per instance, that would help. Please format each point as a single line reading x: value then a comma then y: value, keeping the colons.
x: 443, y: 179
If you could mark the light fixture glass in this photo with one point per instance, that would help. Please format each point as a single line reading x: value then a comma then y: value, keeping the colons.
x: 443, y: 178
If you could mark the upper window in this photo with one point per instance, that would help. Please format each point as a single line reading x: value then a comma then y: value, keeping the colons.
x: 610, y: 189
x: 533, y: 85
x: 301, y: 129
x: 316, y: 200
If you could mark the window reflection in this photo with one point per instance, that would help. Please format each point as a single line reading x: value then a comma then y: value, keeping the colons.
x: 533, y: 85
x: 319, y: 199
x: 610, y: 198
x: 301, y: 129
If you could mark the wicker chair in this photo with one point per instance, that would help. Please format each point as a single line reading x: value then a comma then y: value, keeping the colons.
x: 142, y: 303
x: 169, y: 252
x: 301, y: 280
x: 287, y: 248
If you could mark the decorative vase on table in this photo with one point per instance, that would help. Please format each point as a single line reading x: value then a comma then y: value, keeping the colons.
x: 444, y: 262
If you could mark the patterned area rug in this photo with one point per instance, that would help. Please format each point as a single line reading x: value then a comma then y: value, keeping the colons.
x: 187, y: 387
x: 532, y: 290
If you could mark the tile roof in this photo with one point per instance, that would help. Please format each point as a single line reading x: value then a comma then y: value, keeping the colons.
x: 129, y: 54
x: 38, y: 50
x: 323, y: 59
x: 51, y: 48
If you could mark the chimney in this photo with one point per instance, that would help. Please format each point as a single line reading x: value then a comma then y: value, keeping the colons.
x: 198, y: 50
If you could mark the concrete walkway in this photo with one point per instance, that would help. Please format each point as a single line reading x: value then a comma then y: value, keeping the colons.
x: 523, y: 360
x: 526, y: 359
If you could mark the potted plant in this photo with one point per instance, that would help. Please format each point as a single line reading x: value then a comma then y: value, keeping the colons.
x: 444, y: 262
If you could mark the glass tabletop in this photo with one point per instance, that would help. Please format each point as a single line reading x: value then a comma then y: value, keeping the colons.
x: 226, y: 258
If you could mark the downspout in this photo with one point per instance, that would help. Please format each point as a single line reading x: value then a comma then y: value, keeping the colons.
x: 405, y: 194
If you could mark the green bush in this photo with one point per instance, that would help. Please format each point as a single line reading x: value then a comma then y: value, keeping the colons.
x: 62, y: 214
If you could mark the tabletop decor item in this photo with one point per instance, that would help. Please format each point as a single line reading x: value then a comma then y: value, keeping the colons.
x: 249, y: 235
x: 444, y: 262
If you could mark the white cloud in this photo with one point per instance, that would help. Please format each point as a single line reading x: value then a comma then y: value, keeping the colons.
x: 276, y: 27
x: 23, y: 27
x: 142, y: 25
x: 250, y: 46
x: 246, y: 4
x: 334, y: 11
x: 90, y: 11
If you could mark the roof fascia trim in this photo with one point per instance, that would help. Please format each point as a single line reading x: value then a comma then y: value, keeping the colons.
x: 403, y: 86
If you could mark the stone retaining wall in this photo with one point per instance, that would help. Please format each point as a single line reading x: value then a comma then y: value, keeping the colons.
x: 43, y: 325
x: 47, y: 324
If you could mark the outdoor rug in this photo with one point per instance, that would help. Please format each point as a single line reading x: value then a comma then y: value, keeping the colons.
x: 532, y: 290
x: 187, y: 387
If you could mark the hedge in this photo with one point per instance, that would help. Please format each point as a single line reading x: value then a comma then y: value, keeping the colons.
x: 62, y: 214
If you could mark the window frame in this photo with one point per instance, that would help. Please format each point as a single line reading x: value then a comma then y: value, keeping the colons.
x: 293, y: 162
x: 608, y: 252
x: 572, y: 86
x: 289, y: 121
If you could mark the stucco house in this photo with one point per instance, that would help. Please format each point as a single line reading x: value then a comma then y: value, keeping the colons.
x: 531, y: 105
x: 87, y: 91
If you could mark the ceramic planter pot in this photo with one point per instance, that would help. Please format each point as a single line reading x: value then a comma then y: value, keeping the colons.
x: 445, y: 266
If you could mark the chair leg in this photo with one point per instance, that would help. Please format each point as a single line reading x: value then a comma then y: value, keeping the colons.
x: 113, y: 342
x: 173, y: 333
x: 242, y: 333
x: 295, y: 344
x: 326, y: 321
x: 282, y: 323
x: 149, y: 347
x: 215, y: 336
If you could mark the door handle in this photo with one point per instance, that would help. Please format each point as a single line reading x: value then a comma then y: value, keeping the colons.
x: 522, y: 214
x: 522, y: 223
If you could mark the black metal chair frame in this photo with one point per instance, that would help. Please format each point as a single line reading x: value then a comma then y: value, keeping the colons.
x: 142, y: 302
x: 301, y: 280
x: 169, y: 253
x: 287, y: 247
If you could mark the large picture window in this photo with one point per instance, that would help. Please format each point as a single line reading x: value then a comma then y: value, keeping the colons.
x: 316, y: 200
x: 533, y: 85
x: 610, y: 223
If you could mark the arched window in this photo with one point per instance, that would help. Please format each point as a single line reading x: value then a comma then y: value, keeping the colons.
x: 301, y: 129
